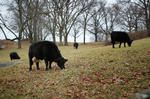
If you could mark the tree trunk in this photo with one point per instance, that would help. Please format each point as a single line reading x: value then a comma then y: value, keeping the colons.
x: 19, y: 40
x: 148, y: 27
x: 30, y: 36
x: 107, y: 36
x: 84, y: 33
x: 54, y: 30
x: 60, y: 41
x: 147, y: 14
x: 34, y: 29
x: 74, y: 39
x: 20, y: 35
x: 136, y: 25
x: 60, y: 36
x: 20, y: 23
x: 35, y: 23
x: 66, y: 40
x: 95, y: 37
x: 149, y: 18
x: 53, y: 36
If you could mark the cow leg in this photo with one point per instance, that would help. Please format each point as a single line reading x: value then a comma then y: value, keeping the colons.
x: 46, y: 63
x: 120, y: 45
x: 113, y: 44
x: 11, y: 58
x: 31, y: 63
x: 124, y: 44
x: 37, y: 65
x: 50, y: 65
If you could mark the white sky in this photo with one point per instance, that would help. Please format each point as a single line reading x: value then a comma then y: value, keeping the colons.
x: 4, y: 12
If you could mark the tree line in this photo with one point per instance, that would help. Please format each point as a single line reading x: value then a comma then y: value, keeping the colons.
x: 35, y: 20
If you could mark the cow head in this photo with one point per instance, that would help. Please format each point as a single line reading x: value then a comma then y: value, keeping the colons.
x: 60, y: 62
x: 130, y: 42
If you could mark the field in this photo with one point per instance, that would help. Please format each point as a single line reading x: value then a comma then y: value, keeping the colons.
x: 92, y: 72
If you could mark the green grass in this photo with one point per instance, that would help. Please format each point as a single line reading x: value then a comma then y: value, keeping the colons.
x: 92, y: 72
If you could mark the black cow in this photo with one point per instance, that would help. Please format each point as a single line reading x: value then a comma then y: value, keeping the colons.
x: 75, y: 45
x: 14, y: 55
x: 121, y: 37
x: 45, y: 50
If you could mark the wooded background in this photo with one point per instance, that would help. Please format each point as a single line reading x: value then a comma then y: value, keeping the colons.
x: 36, y: 20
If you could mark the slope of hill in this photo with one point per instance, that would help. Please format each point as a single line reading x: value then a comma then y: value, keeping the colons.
x: 92, y: 72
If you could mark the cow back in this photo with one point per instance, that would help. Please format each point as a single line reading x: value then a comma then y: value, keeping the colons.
x: 120, y: 36
x: 44, y: 50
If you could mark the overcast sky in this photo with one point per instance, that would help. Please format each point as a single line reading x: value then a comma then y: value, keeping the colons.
x: 4, y: 12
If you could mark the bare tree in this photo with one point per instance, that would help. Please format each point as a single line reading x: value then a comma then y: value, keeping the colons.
x: 3, y: 23
x: 76, y: 33
x: 51, y: 19
x: 130, y: 16
x: 141, y: 12
x: 1, y: 28
x: 33, y: 10
x: 72, y: 11
x: 145, y: 7
x: 20, y: 18
x: 95, y: 24
x: 59, y: 8
x: 110, y: 16
x: 86, y: 16
x: 68, y: 13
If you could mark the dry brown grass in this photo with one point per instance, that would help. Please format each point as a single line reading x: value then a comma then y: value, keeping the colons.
x: 92, y: 72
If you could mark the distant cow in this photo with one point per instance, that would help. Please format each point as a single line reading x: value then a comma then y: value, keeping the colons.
x: 45, y: 50
x: 75, y: 45
x: 14, y: 55
x: 121, y: 37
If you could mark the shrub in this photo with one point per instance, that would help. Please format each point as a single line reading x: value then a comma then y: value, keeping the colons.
x: 139, y: 34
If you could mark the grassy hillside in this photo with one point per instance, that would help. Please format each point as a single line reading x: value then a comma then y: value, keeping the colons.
x: 92, y: 72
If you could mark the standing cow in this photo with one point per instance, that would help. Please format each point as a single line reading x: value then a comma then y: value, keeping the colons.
x: 121, y: 37
x: 45, y: 50
x: 75, y: 45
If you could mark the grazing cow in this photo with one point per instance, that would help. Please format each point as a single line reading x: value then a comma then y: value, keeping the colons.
x: 121, y: 37
x: 45, y: 50
x: 14, y: 55
x: 75, y: 45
